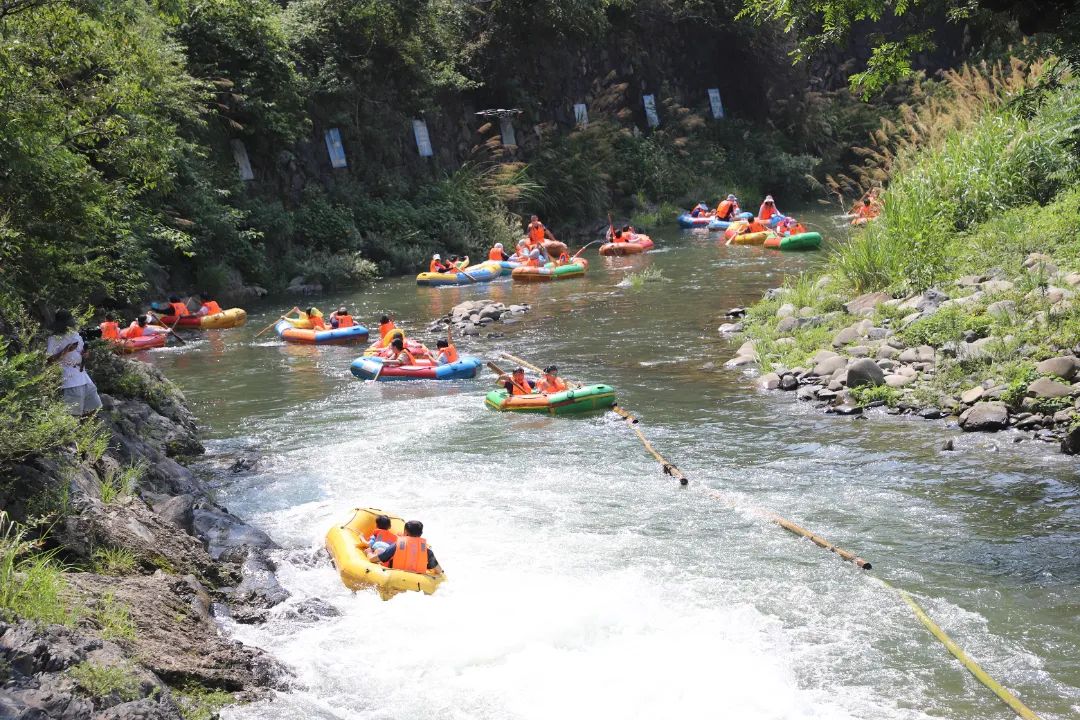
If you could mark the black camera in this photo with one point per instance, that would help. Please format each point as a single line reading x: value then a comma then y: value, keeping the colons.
x: 90, y: 333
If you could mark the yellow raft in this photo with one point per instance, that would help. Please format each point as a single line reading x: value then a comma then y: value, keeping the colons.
x: 757, y: 238
x: 346, y: 544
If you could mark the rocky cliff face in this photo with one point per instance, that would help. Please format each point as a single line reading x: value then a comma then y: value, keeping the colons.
x: 148, y: 564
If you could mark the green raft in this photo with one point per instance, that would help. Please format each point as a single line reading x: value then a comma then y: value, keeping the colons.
x: 587, y: 398
x: 802, y: 241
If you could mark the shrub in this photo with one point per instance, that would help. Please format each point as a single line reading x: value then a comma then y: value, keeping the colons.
x: 867, y: 394
x: 104, y: 680
x: 31, y: 582
x: 118, y: 483
x: 113, y: 561
x: 199, y: 703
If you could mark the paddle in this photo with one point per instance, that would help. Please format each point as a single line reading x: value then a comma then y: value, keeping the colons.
x: 172, y: 330
x: 574, y: 256
x: 534, y: 368
x: 611, y: 227
x: 501, y: 373
x: 282, y: 317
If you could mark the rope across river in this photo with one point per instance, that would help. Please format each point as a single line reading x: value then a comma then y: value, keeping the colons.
x: 669, y: 468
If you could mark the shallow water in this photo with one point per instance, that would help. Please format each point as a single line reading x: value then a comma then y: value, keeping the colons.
x: 585, y: 584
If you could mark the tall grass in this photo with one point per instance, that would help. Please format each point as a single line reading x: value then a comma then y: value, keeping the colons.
x: 31, y: 581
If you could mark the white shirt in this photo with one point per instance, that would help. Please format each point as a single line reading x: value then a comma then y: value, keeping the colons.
x: 69, y: 362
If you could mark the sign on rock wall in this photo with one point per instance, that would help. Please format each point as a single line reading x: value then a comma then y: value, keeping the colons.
x: 240, y: 155
x: 714, y: 101
x: 335, y: 148
x: 506, y: 126
x: 423, y: 142
x: 650, y: 110
x: 581, y: 114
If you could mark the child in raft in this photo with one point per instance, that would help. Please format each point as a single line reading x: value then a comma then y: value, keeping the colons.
x: 312, y: 315
x: 382, y: 538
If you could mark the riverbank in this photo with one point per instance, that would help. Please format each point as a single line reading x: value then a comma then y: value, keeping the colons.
x: 988, y: 351
x: 120, y: 566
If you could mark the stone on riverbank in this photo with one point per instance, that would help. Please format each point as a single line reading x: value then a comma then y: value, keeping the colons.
x: 1045, y: 387
x: 864, y: 371
x: 472, y: 315
x: 866, y: 304
x: 1064, y: 367
x: 985, y: 416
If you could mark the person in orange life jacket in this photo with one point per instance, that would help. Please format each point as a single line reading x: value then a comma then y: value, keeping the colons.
x: 137, y: 328
x: 410, y: 553
x: 628, y: 234
x: 517, y: 384
x: 563, y: 259
x: 538, y: 232
x: 767, y: 209
x: 728, y: 208
x: 497, y: 253
x: 399, y: 354
x: 110, y: 329
x: 550, y: 382
x: 341, y: 318
x: 699, y: 210
x: 455, y: 265
x: 865, y: 213
x: 436, y: 265
x: 177, y: 307
x: 382, y: 538
x: 209, y: 306
x: 385, y: 326
x: 445, y: 353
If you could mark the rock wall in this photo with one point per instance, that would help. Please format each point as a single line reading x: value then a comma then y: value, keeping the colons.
x: 183, y: 555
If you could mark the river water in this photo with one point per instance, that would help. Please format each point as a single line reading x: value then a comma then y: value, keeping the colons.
x: 585, y: 584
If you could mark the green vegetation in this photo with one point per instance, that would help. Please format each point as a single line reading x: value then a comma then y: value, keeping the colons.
x: 638, y: 279
x: 866, y: 395
x: 199, y: 703
x: 104, y: 680
x: 118, y: 483
x: 113, y: 561
x: 31, y: 581
x: 113, y: 618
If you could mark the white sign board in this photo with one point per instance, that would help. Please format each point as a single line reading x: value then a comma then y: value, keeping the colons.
x: 423, y: 142
x: 240, y: 155
x: 334, y: 147
x: 714, y: 101
x: 650, y: 110
x: 581, y: 114
x: 506, y: 126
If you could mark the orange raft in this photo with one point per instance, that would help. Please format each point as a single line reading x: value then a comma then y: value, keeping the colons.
x: 551, y: 272
x: 143, y: 342
x: 640, y: 244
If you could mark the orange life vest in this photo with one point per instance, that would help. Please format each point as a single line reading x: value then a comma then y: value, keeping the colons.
x: 435, y: 266
x: 134, y: 330
x: 495, y: 254
x: 344, y: 321
x: 451, y: 353
x: 554, y: 386
x: 536, y: 233
x: 110, y: 330
x: 725, y: 209
x: 385, y: 536
x: 767, y: 211
x: 754, y: 226
x: 212, y: 308
x: 385, y: 328
x: 179, y: 309
x: 523, y: 389
x: 410, y: 555
x: 317, y: 322
x: 410, y: 359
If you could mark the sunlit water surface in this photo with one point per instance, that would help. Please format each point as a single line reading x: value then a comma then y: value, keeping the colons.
x: 585, y: 584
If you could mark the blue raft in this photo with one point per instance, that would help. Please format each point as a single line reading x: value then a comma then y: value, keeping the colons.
x: 368, y: 368
x: 715, y: 224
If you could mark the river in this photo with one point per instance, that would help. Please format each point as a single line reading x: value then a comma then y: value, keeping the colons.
x: 585, y: 584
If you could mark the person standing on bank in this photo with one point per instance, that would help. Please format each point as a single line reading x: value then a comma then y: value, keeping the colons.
x: 66, y: 348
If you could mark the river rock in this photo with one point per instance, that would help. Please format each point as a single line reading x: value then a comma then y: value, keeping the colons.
x: 259, y: 588
x: 769, y: 381
x: 740, y: 361
x: 1002, y: 310
x: 807, y: 393
x: 1070, y: 443
x: 864, y: 371
x: 1064, y: 367
x: 973, y: 395
x: 887, y: 352
x: 995, y: 287
x: 932, y: 413
x: 178, y: 510
x: 829, y: 365
x: 788, y: 382
x: 1045, y: 387
x: 1072, y: 279
x: 224, y: 531
x: 970, y: 280
x: 785, y: 311
x: 844, y: 409
x: 1064, y: 416
x: 866, y: 304
x: 787, y: 325
x: 887, y: 365
x: 878, y: 333
x: 1040, y: 262
x: 858, y: 351
x: 735, y: 312
x: 909, y: 356
x: 985, y: 416
x: 898, y: 381
x: 822, y: 355
x: 730, y: 328
x: 847, y: 335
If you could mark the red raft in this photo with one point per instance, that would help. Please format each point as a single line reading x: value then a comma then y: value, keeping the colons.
x: 640, y: 244
x: 143, y: 342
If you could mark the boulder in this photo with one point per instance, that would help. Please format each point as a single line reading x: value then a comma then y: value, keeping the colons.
x: 846, y: 336
x: 865, y: 304
x: 787, y: 325
x: 909, y: 356
x: 1064, y: 367
x: 1002, y: 310
x: 878, y: 333
x: 1070, y: 444
x: 821, y: 355
x: 828, y: 366
x: 1072, y: 279
x: 785, y: 311
x: 898, y: 381
x: 864, y: 371
x: 737, y: 361
x: 970, y: 280
x: 925, y: 354
x: 788, y: 382
x: 769, y: 381
x: 730, y: 328
x: 996, y: 286
x: 972, y: 396
x: 985, y: 416
x: 807, y: 393
x: 1045, y: 387
x: 887, y: 352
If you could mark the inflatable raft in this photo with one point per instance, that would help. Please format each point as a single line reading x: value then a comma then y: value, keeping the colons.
x: 550, y: 272
x: 346, y: 544
x: 802, y: 241
x: 687, y: 220
x: 379, y: 347
x: 587, y: 398
x: 717, y: 224
x: 757, y: 238
x: 640, y: 244
x: 368, y: 368
x: 233, y: 317
x: 341, y: 336
x: 143, y: 342
x: 484, y: 272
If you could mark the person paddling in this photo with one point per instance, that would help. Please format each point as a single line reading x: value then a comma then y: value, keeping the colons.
x: 399, y: 354
x: 728, y: 208
x: 551, y: 382
x: 178, y: 307
x: 497, y: 253
x: 517, y: 384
